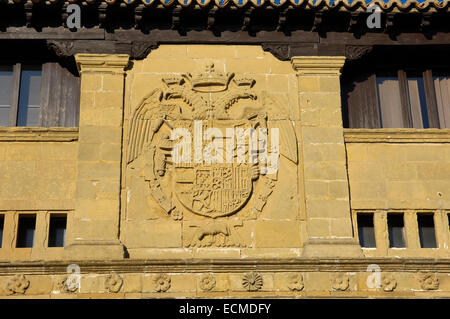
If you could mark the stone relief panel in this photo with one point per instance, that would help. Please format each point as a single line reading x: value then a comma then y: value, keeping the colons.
x: 206, y: 151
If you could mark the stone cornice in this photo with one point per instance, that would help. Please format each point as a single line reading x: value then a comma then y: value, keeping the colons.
x: 230, y: 265
x: 397, y: 135
x: 318, y: 65
x: 38, y: 134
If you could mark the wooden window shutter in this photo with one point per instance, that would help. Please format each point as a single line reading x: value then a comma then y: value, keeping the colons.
x: 430, y: 93
x: 362, y: 102
x: 60, y: 96
x: 442, y: 87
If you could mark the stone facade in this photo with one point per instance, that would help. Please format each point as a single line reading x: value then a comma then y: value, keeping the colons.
x: 141, y: 225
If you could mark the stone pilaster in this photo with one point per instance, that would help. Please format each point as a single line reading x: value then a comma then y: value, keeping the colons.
x: 97, y: 208
x: 329, y: 226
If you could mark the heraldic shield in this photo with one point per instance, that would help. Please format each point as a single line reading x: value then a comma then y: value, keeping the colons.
x: 214, y: 191
x: 195, y: 104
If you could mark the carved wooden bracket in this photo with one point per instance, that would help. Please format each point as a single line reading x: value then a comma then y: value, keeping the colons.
x: 390, y: 22
x: 247, y: 19
x: 279, y: 50
x: 67, y: 48
x: 176, y: 20
x: 28, y: 13
x: 63, y: 48
x: 138, y: 15
x: 102, y: 13
x: 212, y: 18
x: 282, y: 20
x: 353, y: 21
x: 317, y: 21
x: 140, y: 49
x: 425, y: 24
x: 355, y: 52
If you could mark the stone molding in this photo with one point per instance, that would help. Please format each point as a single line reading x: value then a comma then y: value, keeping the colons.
x: 38, y: 134
x: 397, y: 135
x: 318, y: 65
x: 306, y: 264
x: 102, y: 63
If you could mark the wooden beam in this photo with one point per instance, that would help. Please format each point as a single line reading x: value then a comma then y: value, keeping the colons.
x: 404, y: 98
x: 430, y: 93
x: 60, y: 33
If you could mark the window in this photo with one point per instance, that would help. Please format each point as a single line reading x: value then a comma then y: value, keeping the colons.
x: 442, y: 87
x: 426, y: 230
x: 57, y: 231
x: 366, y: 232
x: 39, y: 94
x: 29, y: 96
x: 396, y: 230
x: 397, y: 87
x: 6, y: 81
x: 399, y: 99
x: 26, y: 229
x: 2, y: 222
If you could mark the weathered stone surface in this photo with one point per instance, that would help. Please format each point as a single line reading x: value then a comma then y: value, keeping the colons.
x: 140, y: 226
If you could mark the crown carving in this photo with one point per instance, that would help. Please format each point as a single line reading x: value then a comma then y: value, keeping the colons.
x: 244, y: 82
x: 209, y: 80
x: 173, y: 81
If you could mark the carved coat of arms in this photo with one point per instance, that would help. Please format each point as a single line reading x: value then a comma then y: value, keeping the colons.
x: 207, y: 106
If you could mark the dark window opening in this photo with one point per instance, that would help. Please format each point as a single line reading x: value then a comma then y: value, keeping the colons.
x: 26, y: 229
x: 6, y: 81
x: 366, y: 231
x: 38, y: 95
x: 442, y: 89
x: 30, y: 96
x: 426, y: 230
x: 396, y: 230
x: 57, y: 231
x: 403, y: 91
x: 2, y: 222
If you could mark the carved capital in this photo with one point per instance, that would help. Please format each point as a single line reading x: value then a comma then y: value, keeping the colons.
x: 102, y: 63
x: 355, y: 52
x: 318, y: 65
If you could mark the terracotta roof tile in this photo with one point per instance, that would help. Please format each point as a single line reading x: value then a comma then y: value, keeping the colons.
x: 385, y: 5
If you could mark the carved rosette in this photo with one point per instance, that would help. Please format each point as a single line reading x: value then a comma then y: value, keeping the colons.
x: 113, y: 282
x: 340, y: 282
x: 252, y: 281
x: 295, y: 282
x: 388, y: 282
x: 162, y: 282
x: 65, y: 285
x: 17, y: 285
x: 429, y: 281
x: 176, y: 214
x: 207, y: 282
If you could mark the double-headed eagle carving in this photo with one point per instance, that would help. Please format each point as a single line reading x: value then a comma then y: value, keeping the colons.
x: 207, y: 96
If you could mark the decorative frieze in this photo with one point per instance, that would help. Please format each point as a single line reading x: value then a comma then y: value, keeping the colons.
x: 17, y: 285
